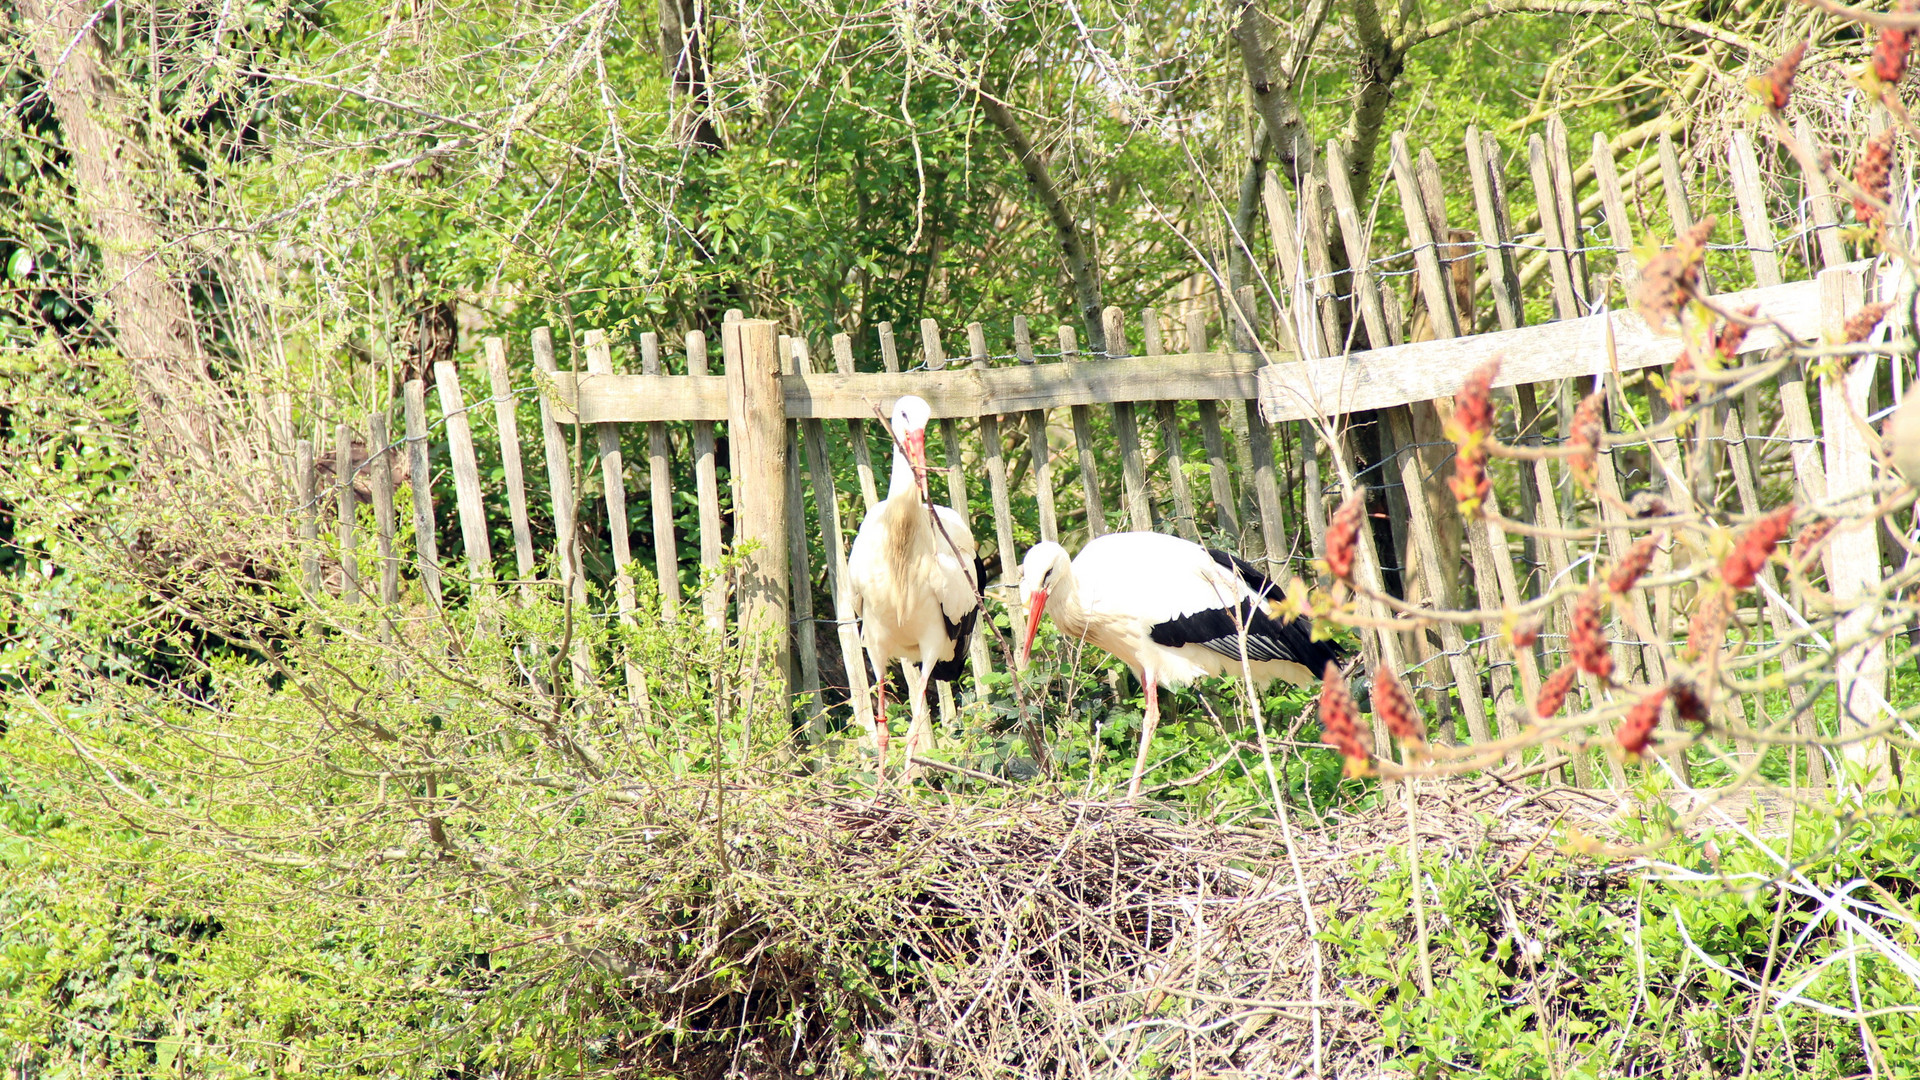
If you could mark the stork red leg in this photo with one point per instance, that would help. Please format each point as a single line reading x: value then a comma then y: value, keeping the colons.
x: 880, y: 733
x: 1152, y: 688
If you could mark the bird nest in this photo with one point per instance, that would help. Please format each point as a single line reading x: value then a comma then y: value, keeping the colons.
x: 1041, y: 938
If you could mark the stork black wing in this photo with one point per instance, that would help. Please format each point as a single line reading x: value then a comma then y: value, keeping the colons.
x: 1249, y: 573
x: 959, y: 632
x: 1219, y: 629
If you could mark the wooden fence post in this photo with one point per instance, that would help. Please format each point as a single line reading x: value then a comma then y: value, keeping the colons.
x: 420, y: 468
x: 566, y: 532
x: 1853, y: 554
x: 757, y: 434
x: 344, y: 500
x: 508, y: 431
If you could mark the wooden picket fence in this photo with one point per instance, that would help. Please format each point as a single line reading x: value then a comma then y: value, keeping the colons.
x: 1192, y: 431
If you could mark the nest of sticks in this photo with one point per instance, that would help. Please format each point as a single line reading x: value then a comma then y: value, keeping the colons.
x: 1045, y: 939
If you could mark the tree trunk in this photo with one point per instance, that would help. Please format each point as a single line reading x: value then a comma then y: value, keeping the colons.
x: 683, y: 51
x: 182, y: 409
x: 1073, y: 248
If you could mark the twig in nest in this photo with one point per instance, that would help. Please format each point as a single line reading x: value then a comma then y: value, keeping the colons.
x: 947, y: 766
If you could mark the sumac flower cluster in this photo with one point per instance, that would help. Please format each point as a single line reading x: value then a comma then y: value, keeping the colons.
x: 1472, y: 426
x: 1754, y: 548
x: 1343, y: 536
x: 1339, y: 723
x: 1638, y: 558
x: 1553, y: 692
x: 1871, y: 176
x: 1395, y: 708
x: 1587, y: 638
x: 1637, y: 728
x: 1583, y: 438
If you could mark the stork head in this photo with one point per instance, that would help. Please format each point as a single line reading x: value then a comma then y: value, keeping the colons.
x: 909, y: 423
x: 1040, y: 573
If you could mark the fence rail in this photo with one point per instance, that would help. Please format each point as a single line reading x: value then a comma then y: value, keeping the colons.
x: 1210, y: 444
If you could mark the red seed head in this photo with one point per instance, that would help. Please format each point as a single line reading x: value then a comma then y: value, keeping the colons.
x: 1862, y: 321
x: 1638, y: 558
x: 1638, y: 726
x: 1687, y: 703
x: 1808, y: 541
x: 1872, y: 175
x: 1553, y: 692
x: 1733, y: 332
x: 1343, y: 536
x: 1778, y: 86
x: 1890, y: 55
x: 1707, y: 629
x: 1588, y: 639
x: 1470, y: 428
x: 1524, y: 633
x: 1670, y: 277
x: 1396, y: 709
x: 1754, y: 547
x: 1339, y: 726
x: 1583, y: 437
x: 1680, y: 380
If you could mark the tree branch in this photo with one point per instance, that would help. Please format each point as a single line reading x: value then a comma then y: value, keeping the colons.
x: 1073, y: 249
x: 1273, y: 98
x: 1495, y: 8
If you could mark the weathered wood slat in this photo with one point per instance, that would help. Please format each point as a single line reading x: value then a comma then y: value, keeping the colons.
x: 1613, y: 203
x: 1566, y: 303
x: 634, y: 399
x: 1751, y: 198
x: 995, y: 454
x: 1824, y: 205
x: 344, y: 503
x: 1126, y: 432
x: 713, y: 599
x: 856, y: 427
x: 1274, y: 542
x: 666, y: 552
x: 1358, y: 243
x: 383, y: 518
x: 1072, y: 366
x: 1453, y: 643
x: 806, y: 640
x: 613, y: 488
x: 1853, y: 553
x: 466, y: 474
x: 1303, y: 317
x: 566, y: 532
x: 1219, y: 469
x: 1531, y: 354
x: 420, y: 469
x: 1186, y: 519
x: 757, y: 439
x: 1567, y: 199
x: 1425, y: 215
x: 506, y: 424
x: 826, y: 503
x: 1038, y: 449
x: 1496, y: 228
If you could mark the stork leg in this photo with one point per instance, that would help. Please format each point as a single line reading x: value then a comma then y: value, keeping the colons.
x: 920, y: 728
x: 1151, y: 686
x: 879, y: 732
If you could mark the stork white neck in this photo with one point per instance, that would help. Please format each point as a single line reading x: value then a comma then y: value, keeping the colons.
x: 903, y: 479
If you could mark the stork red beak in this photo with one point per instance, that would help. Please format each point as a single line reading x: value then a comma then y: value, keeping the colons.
x: 1036, y: 607
x: 915, y: 444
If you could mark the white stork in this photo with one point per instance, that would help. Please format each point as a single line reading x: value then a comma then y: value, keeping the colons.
x: 1172, y: 611
x: 916, y: 584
